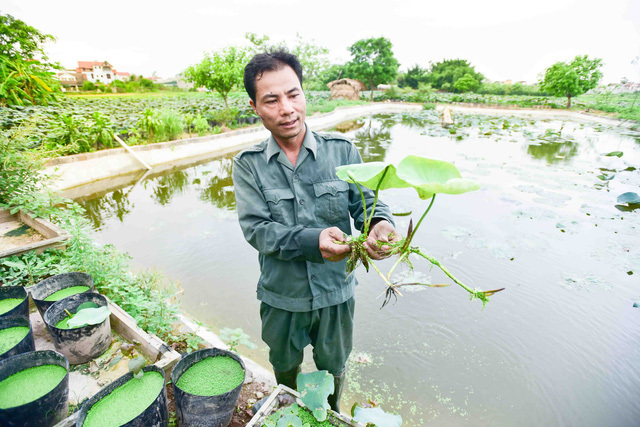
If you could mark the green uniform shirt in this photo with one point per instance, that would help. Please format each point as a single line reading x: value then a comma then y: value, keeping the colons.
x: 282, y: 210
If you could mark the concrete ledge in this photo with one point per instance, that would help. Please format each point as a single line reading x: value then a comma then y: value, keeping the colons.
x: 80, y: 169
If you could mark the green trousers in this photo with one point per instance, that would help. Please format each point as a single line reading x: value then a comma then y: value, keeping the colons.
x: 329, y: 330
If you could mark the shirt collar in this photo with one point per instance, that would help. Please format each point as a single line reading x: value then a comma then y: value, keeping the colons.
x: 309, y: 143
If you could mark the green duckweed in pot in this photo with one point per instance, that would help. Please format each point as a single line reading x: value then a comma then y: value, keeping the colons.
x: 125, y: 402
x: 9, y: 304
x: 10, y: 337
x: 66, y: 292
x: 29, y: 385
x: 206, y: 386
x: 212, y: 376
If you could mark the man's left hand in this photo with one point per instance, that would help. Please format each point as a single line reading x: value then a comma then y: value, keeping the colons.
x: 381, y: 232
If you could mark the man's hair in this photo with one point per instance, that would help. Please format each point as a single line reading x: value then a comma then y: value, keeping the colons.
x: 268, y: 61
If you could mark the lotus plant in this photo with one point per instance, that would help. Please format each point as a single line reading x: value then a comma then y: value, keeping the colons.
x: 428, y: 177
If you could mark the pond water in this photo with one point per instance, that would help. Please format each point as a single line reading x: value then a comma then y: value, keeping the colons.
x: 559, y: 346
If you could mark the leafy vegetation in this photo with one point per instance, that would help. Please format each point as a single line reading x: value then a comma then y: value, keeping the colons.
x: 25, y: 71
x: 144, y: 295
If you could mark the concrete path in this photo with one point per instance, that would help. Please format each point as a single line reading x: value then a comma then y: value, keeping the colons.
x: 81, y: 169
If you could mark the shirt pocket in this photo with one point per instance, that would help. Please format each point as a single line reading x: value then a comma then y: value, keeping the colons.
x: 280, y: 202
x: 332, y: 201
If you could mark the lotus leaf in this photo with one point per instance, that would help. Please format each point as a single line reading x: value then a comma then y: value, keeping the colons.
x: 377, y: 417
x: 629, y: 198
x: 89, y: 316
x: 289, y: 420
x: 315, y: 389
x: 431, y: 177
x: 371, y: 174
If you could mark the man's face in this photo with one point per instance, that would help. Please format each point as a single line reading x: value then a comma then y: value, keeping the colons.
x: 281, y: 105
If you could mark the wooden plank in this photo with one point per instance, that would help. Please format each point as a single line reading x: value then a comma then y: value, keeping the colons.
x: 159, y: 353
x: 55, y: 236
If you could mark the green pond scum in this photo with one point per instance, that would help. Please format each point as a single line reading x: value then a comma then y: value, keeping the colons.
x: 212, y: 376
x: 125, y: 402
x: 29, y: 385
x: 10, y: 337
x: 9, y: 304
x: 66, y: 292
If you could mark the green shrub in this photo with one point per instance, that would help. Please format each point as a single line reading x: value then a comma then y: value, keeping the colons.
x: 88, y: 85
x: 200, y: 125
x: 172, y: 124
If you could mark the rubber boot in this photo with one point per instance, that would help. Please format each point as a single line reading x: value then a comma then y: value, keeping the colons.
x: 288, y: 378
x: 334, y: 399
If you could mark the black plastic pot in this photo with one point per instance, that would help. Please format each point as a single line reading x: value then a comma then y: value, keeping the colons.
x: 26, y: 344
x: 46, y: 287
x: 50, y: 408
x: 157, y: 414
x: 194, y: 410
x: 83, y: 344
x: 18, y: 292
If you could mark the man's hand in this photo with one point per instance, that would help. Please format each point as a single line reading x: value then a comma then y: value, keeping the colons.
x: 382, y: 231
x: 331, y: 250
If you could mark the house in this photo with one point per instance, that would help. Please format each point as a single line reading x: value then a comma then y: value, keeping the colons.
x: 346, y: 89
x: 99, y: 72
x: 70, y: 80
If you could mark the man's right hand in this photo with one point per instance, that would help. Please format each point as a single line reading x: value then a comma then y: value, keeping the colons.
x: 328, y: 248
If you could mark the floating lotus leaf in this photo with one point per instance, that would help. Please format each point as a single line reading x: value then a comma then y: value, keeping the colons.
x: 629, y: 198
x: 89, y: 316
x: 431, y: 177
x: 377, y: 417
x: 370, y: 174
x: 315, y: 388
x: 615, y: 153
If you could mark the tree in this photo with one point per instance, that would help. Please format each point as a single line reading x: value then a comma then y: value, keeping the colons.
x: 572, y: 79
x: 219, y: 71
x: 373, y: 62
x: 413, y: 77
x: 444, y: 75
x: 25, y: 76
x: 466, y: 83
x: 312, y: 57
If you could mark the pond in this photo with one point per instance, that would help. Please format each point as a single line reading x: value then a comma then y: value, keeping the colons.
x: 559, y: 346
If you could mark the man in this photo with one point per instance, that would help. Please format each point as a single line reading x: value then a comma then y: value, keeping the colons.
x: 293, y: 209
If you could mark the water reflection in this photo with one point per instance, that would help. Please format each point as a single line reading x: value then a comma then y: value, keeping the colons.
x: 553, y: 152
x: 219, y: 190
x: 166, y: 187
x: 99, y: 209
x: 373, y: 139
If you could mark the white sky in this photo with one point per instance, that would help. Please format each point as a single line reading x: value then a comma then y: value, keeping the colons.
x: 503, y: 39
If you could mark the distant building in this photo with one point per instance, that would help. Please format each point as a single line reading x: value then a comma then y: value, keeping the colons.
x: 175, y: 81
x: 100, y: 72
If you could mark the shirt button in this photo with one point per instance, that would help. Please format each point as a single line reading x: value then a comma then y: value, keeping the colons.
x: 313, y: 277
x: 302, y: 202
x: 295, y: 176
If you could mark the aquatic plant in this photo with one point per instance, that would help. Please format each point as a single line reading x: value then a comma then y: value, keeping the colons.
x: 428, y: 177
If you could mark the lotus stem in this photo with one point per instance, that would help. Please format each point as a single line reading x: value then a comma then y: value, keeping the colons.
x: 398, y: 261
x: 364, y: 203
x: 433, y: 198
x: 375, y: 202
x: 435, y: 262
x: 381, y: 274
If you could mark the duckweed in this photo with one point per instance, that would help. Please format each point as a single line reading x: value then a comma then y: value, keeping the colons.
x: 9, y: 304
x: 212, y: 376
x: 29, y: 385
x: 10, y: 337
x: 125, y: 402
x: 66, y: 292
